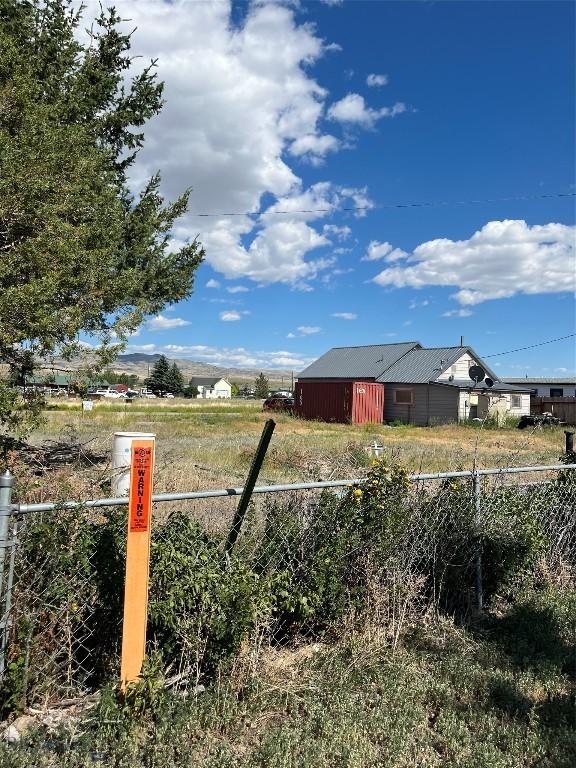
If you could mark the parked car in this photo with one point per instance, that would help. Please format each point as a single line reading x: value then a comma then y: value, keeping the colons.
x: 278, y: 403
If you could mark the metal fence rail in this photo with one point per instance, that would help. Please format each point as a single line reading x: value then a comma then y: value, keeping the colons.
x: 278, y: 488
x: 380, y: 543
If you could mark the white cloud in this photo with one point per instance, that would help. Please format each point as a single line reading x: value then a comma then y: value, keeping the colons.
x: 290, y: 335
x: 340, y: 233
x: 308, y: 330
x: 377, y: 251
x: 375, y: 81
x: 161, y: 323
x: 458, y: 313
x: 146, y: 348
x: 360, y: 199
x: 232, y: 315
x: 237, y: 289
x: 241, y: 104
x: 331, y: 2
x: 352, y: 109
x: 314, y: 147
x: 383, y: 251
x: 345, y: 315
x: 212, y: 283
x: 277, y: 252
x: 414, y: 304
x: 228, y: 357
x: 502, y: 259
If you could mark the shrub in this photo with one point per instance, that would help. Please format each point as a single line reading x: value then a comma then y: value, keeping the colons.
x: 319, y: 561
x: 201, y: 606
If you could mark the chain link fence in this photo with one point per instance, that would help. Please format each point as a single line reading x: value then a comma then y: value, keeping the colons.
x: 308, y: 560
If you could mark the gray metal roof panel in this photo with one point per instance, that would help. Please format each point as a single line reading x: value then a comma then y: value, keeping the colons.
x: 357, y: 362
x: 542, y: 380
x: 204, y: 381
x: 423, y: 365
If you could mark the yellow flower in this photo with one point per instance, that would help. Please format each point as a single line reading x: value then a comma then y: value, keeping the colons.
x: 357, y: 492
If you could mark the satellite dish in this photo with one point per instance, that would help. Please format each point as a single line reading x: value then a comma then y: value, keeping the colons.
x: 477, y: 373
x: 488, y: 381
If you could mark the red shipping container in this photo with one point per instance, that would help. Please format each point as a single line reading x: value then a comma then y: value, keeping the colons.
x: 345, y: 402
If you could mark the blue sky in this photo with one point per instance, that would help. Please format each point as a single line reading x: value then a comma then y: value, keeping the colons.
x: 322, y: 106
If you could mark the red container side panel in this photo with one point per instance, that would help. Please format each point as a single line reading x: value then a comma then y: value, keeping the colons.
x: 343, y: 402
x: 367, y: 402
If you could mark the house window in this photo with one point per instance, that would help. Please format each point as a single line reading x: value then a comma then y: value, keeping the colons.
x: 556, y: 392
x: 404, y: 396
x: 515, y: 401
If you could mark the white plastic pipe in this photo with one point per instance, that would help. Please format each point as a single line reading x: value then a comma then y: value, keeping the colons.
x: 121, y: 455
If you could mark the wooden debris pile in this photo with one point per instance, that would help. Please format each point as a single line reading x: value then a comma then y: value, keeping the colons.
x: 52, y: 454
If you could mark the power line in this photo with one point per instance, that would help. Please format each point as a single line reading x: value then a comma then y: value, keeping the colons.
x: 421, y: 204
x: 532, y: 346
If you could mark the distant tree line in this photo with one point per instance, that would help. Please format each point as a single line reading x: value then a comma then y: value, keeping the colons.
x: 167, y: 377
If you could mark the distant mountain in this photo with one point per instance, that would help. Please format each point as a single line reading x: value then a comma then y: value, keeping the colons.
x: 141, y: 365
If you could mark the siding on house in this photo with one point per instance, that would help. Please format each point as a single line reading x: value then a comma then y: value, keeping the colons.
x: 441, y: 408
x: 212, y: 389
x: 464, y: 403
x: 523, y: 409
x: 459, y: 369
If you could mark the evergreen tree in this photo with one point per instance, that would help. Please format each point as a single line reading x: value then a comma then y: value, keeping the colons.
x: 159, y: 379
x: 79, y: 251
x: 261, y: 386
x: 175, y: 380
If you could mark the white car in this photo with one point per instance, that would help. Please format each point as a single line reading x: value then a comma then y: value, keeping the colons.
x: 111, y: 393
x: 150, y: 395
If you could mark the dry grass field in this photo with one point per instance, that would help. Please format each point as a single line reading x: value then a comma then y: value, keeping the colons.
x: 205, y: 445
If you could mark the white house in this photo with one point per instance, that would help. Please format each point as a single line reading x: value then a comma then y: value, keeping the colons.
x: 211, y: 388
x: 545, y: 387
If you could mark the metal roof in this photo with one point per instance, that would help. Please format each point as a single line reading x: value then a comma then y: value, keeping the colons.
x: 424, y: 365
x: 205, y: 381
x: 499, y: 386
x: 367, y: 362
x: 540, y: 381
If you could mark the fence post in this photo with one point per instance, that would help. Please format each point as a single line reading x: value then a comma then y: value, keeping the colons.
x: 257, y: 462
x: 6, y: 484
x: 477, y: 524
